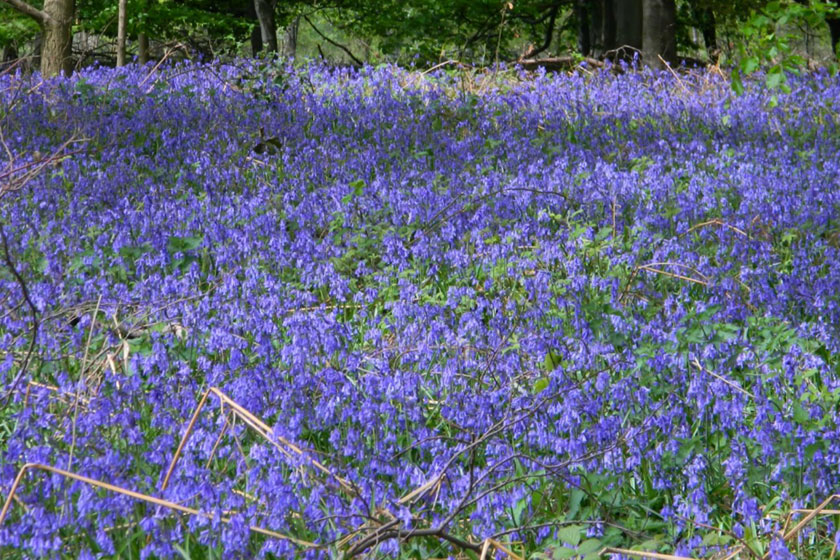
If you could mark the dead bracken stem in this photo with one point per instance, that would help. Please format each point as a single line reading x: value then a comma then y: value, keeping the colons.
x: 137, y: 496
x: 717, y: 222
x: 53, y: 389
x: 819, y: 510
x: 78, y: 388
x: 282, y: 444
x: 640, y: 554
x: 696, y: 363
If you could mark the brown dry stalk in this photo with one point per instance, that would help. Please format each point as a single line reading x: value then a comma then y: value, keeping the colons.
x: 81, y: 374
x: 485, y: 549
x: 717, y: 222
x: 419, y: 490
x: 629, y: 283
x: 281, y: 443
x: 137, y: 496
x: 166, y: 55
x: 734, y: 553
x: 327, y: 307
x: 807, y: 519
x: 651, y: 267
x: 674, y: 74
x: 54, y: 395
x: 640, y: 554
x: 696, y: 363
x: 488, y: 542
x: 222, y: 432
x: 506, y: 550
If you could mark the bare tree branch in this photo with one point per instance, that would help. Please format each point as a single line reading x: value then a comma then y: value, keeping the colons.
x: 333, y: 43
x: 7, y: 257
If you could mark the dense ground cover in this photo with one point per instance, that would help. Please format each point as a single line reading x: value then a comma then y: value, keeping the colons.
x: 561, y: 312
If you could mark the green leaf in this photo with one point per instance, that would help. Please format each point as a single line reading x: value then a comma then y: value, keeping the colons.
x: 574, y: 502
x: 540, y: 385
x: 563, y: 552
x: 358, y: 187
x: 800, y: 415
x: 650, y: 545
x: 716, y: 539
x: 552, y: 361
x: 749, y: 65
x: 737, y: 84
x: 589, y: 545
x: 570, y: 534
x: 774, y: 79
x: 182, y: 244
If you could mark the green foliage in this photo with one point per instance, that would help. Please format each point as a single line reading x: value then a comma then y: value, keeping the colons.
x: 15, y: 28
x: 166, y: 19
x: 767, y: 41
x: 760, y: 36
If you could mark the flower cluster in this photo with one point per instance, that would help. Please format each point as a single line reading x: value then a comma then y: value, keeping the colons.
x: 420, y: 315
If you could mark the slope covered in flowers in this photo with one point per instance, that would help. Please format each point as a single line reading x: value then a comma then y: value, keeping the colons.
x: 567, y: 312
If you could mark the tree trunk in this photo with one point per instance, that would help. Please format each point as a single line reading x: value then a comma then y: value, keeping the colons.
x: 142, y: 36
x: 256, y: 41
x: 10, y: 53
x: 56, y: 22
x: 602, y: 27
x: 659, y: 32
x: 290, y: 38
x: 834, y: 29
x: 142, y: 48
x: 584, y: 34
x: 268, y: 26
x: 121, y: 33
x: 58, y: 37
x: 704, y: 20
x: 628, y: 28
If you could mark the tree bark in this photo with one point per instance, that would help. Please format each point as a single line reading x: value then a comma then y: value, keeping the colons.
x: 268, y: 25
x: 10, y: 53
x: 56, y: 22
x: 290, y: 36
x: 704, y: 19
x: 142, y: 48
x: 628, y: 28
x: 256, y: 41
x: 583, y: 28
x: 121, y: 33
x: 601, y: 27
x: 659, y: 32
x: 142, y: 36
x: 56, y: 55
x: 834, y: 29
